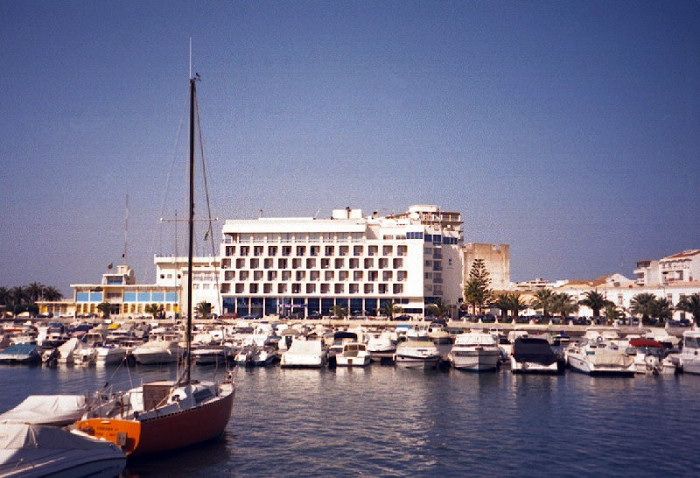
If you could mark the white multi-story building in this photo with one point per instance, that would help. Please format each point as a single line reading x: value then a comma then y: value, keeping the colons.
x: 677, y: 268
x: 306, y: 266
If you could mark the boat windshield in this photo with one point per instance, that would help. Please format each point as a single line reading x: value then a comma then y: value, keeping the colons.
x: 692, y: 342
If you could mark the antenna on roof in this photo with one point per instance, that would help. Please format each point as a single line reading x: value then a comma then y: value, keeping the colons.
x: 190, y: 58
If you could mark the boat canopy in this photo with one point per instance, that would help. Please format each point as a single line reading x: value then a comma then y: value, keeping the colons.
x: 533, y: 349
x: 36, y: 450
x: 58, y: 410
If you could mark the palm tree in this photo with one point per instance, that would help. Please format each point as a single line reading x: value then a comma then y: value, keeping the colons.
x: 516, y: 305
x: 476, y: 294
x: 612, y: 313
x: 4, y: 297
x: 339, y: 311
x: 105, y: 308
x: 643, y: 304
x: 437, y: 308
x: 544, y: 299
x: 691, y: 304
x: 203, y: 310
x: 595, y: 301
x: 502, y: 303
x: 52, y: 294
x: 389, y: 309
x: 564, y: 304
x: 662, y: 309
x: 153, y: 309
x: 18, y: 299
x: 35, y: 291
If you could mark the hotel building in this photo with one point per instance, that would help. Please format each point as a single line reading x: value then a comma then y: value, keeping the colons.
x: 304, y: 266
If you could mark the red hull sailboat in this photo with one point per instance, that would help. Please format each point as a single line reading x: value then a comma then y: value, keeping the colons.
x: 167, y: 415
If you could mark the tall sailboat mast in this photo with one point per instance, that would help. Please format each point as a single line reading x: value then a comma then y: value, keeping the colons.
x: 190, y: 224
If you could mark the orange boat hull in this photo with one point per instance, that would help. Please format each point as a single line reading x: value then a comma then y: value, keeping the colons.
x: 168, y: 432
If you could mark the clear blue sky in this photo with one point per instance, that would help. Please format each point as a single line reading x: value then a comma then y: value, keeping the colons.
x: 569, y: 130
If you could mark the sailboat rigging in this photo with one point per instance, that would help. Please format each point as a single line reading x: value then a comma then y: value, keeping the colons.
x: 167, y: 414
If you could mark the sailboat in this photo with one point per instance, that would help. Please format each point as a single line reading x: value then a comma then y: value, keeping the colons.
x: 167, y: 414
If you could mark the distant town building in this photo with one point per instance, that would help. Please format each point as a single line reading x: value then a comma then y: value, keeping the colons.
x: 681, y: 267
x: 303, y: 266
x: 496, y: 259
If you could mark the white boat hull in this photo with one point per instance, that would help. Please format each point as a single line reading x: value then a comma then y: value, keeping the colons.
x: 361, y: 360
x: 581, y: 363
x: 417, y: 362
x: 475, y: 359
x: 532, y: 367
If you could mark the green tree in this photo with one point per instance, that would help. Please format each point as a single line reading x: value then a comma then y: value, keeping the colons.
x: 105, y: 308
x: 595, y: 301
x: 203, y: 310
x: 476, y: 290
x: 153, y: 309
x: 389, y: 309
x: 691, y: 304
x: 564, y: 304
x: 52, y: 294
x: 502, y: 302
x: 612, y: 313
x: 339, y: 311
x: 438, y: 308
x: 35, y: 291
x: 662, y: 309
x: 19, y: 300
x: 643, y: 304
x: 516, y: 305
x: 544, y: 299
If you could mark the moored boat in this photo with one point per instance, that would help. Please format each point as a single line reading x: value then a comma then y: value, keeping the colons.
x: 169, y: 414
x: 29, y: 451
x: 475, y: 351
x: 534, y: 355
x: 417, y: 354
x: 21, y: 354
x: 690, y: 354
x: 600, y: 358
x: 304, y: 354
x: 354, y: 354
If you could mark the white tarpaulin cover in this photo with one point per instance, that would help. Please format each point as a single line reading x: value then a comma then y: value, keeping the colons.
x: 56, y: 410
x: 35, y: 450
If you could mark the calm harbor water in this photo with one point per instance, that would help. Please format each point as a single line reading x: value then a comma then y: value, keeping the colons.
x: 387, y: 421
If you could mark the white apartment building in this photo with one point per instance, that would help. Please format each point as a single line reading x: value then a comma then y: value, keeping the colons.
x: 305, y: 265
x: 677, y: 268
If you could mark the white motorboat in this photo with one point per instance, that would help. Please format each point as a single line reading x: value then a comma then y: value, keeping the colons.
x: 67, y: 350
x: 255, y: 356
x: 648, y: 355
x: 21, y: 354
x: 417, y: 354
x: 304, y: 354
x: 158, y: 352
x: 29, y: 451
x: 211, y: 354
x: 690, y: 354
x: 476, y: 351
x: 354, y: 354
x: 382, y: 346
x: 55, y: 410
x: 534, y: 355
x: 109, y: 355
x: 599, y: 357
